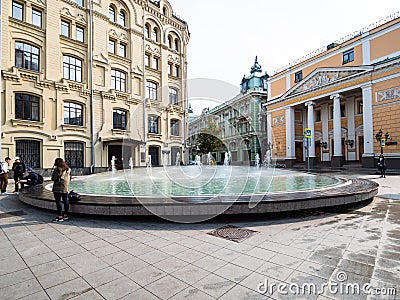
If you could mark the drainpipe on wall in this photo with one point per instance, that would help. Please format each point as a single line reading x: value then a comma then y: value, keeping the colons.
x: 144, y: 81
x: 92, y: 165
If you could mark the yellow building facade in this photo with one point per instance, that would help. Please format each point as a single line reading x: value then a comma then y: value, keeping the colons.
x: 92, y: 81
x: 347, y: 94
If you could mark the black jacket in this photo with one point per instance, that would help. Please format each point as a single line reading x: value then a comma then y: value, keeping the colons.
x: 19, y: 168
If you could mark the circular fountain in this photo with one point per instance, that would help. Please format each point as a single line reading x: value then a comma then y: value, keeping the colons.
x: 201, y: 190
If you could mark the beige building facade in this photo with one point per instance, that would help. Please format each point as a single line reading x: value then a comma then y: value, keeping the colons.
x: 347, y: 95
x: 91, y: 81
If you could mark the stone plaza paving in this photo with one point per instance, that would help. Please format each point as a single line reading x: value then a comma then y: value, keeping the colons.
x: 351, y: 253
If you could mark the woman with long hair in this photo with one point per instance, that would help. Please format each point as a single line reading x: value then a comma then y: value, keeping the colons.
x: 61, y: 177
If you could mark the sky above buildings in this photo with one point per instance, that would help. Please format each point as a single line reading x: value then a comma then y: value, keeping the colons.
x: 226, y: 35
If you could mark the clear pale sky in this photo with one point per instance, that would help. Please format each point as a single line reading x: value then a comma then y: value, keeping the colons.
x: 227, y: 35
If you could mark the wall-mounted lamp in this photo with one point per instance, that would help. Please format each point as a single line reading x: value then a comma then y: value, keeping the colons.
x: 349, y: 143
x: 323, y: 145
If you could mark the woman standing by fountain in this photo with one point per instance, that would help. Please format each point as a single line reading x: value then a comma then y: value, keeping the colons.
x: 61, y: 176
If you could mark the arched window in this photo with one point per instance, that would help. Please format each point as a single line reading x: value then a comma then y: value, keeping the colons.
x: 164, y: 11
x: 151, y: 90
x: 170, y: 42
x: 72, y: 68
x: 176, y: 45
x: 154, y: 34
x: 122, y: 18
x: 27, y: 107
x: 73, y: 113
x: 111, y: 13
x: 174, y: 127
x: 147, y: 31
x: 26, y: 56
x: 118, y: 80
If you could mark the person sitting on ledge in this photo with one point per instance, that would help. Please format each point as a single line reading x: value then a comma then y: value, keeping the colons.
x: 31, y: 179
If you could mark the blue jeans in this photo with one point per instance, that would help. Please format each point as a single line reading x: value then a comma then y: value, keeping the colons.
x: 64, y: 197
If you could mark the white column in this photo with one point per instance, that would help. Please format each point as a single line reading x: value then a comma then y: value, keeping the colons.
x: 367, y: 119
x: 310, y: 124
x: 337, y: 126
x: 351, y: 135
x: 287, y: 80
x: 270, y: 138
x: 325, y: 129
x: 366, y: 52
x: 290, y: 134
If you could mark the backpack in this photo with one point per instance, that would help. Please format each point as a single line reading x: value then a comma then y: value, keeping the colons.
x: 40, y: 179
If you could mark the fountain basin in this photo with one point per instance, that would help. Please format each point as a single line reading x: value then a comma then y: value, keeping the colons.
x: 339, y: 191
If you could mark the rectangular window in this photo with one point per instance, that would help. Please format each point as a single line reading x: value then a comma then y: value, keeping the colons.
x: 122, y: 50
x: 17, y: 10
x: 147, y: 60
x: 151, y: 90
x: 348, y: 56
x: 111, y: 46
x: 175, y: 127
x: 73, y: 114
x: 79, y: 2
x: 318, y: 115
x: 342, y: 110
x: 298, y: 76
x: 360, y: 107
x: 119, y: 119
x: 73, y: 153
x: 26, y: 56
x: 65, y: 28
x: 153, y: 124
x: 118, y: 80
x: 169, y: 69
x: 173, y: 96
x: 29, y: 152
x: 26, y: 107
x: 36, y: 17
x: 155, y: 63
x: 72, y: 68
x: 80, y: 34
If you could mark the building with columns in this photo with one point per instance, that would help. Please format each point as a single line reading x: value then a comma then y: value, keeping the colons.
x: 89, y: 80
x: 345, y: 93
x: 241, y: 120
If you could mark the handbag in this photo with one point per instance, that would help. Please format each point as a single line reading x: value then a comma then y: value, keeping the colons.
x: 73, y: 196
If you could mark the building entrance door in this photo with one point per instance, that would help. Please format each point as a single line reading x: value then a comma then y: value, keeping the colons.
x: 360, y: 147
x: 155, y: 153
x: 318, y: 152
x: 299, y: 151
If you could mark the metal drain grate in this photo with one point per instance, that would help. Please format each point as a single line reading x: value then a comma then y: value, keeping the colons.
x: 12, y: 214
x: 233, y: 233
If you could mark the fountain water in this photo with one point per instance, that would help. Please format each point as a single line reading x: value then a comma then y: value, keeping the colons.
x: 209, y: 158
x: 257, y: 160
x: 165, y: 158
x: 267, y: 159
x: 178, y: 159
x: 131, y: 163
x: 198, y: 160
x: 113, y: 168
x: 226, y: 159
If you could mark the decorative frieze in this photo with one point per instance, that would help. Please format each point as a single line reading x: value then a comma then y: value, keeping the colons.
x: 388, y: 94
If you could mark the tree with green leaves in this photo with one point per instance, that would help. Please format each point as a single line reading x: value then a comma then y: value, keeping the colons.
x: 209, y: 138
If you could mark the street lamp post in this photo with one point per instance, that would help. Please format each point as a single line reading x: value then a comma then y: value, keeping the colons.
x: 382, y: 139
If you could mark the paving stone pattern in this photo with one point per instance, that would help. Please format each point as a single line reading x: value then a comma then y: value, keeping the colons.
x: 90, y: 257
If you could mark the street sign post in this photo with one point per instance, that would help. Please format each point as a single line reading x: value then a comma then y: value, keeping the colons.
x: 308, y: 136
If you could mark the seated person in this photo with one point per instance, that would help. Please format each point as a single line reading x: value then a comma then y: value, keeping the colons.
x: 31, y: 179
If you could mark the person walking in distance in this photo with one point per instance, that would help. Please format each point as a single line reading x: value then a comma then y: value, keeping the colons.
x: 61, y: 177
x: 4, y: 175
x: 382, y: 166
x: 19, y: 170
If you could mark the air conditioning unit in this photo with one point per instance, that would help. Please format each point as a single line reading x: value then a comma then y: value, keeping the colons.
x: 53, y: 138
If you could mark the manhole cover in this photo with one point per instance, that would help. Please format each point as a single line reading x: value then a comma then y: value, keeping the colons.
x: 12, y: 214
x: 233, y: 233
